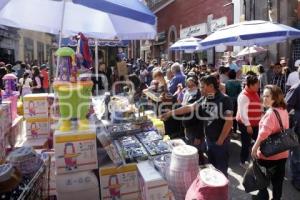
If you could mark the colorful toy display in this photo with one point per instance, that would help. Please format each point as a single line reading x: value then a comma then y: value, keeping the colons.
x: 73, y: 94
x: 10, y: 93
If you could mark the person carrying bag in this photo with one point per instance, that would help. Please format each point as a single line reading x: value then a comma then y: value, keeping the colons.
x: 269, y: 125
x: 279, y: 142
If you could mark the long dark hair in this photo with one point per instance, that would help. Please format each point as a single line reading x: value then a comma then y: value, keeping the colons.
x: 36, y: 71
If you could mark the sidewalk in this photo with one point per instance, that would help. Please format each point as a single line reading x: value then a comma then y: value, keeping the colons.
x: 236, y: 189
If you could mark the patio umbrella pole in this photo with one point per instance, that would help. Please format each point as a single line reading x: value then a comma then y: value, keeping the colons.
x: 96, y: 66
x: 60, y: 35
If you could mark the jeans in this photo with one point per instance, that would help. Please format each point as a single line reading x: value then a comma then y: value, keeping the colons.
x: 276, y: 171
x: 246, y: 141
x: 218, y: 155
x: 190, y: 136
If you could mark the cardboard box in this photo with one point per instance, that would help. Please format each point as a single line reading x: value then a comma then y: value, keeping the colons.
x: 36, y: 106
x: 36, y: 143
x: 5, y: 117
x: 79, y: 185
x: 75, y: 151
x: 119, y: 182
x: 37, y: 128
x: 16, y: 131
x: 152, y: 185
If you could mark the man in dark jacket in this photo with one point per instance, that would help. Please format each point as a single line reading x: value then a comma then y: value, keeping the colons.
x: 293, y: 98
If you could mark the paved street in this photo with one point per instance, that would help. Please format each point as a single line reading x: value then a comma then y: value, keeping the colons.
x: 236, y: 173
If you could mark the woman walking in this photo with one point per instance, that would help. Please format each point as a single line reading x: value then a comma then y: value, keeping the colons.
x: 273, y: 99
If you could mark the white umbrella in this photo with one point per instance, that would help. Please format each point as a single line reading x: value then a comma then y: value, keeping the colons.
x: 188, y: 44
x: 250, y: 33
x: 105, y: 19
x: 251, y: 51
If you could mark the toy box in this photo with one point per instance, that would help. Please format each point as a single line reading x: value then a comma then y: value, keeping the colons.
x: 36, y: 106
x: 152, y: 184
x: 77, y: 186
x: 5, y: 116
x: 119, y: 182
x: 75, y: 151
x: 16, y: 131
x: 37, y: 128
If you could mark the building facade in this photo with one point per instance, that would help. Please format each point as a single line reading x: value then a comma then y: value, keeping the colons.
x: 34, y: 47
x: 178, y: 19
x: 9, y: 41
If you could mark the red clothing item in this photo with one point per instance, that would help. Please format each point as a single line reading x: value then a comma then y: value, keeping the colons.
x: 249, y: 108
x: 269, y: 125
x: 45, y: 79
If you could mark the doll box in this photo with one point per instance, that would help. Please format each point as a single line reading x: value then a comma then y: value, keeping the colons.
x: 75, y: 151
x: 152, y: 185
x: 36, y: 106
x: 77, y: 185
x: 119, y: 182
x: 37, y: 128
x: 5, y: 117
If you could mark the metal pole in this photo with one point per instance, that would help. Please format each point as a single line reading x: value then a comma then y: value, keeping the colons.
x: 60, y: 35
x: 96, y: 66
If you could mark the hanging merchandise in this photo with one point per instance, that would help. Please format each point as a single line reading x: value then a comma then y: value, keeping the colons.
x: 83, y: 50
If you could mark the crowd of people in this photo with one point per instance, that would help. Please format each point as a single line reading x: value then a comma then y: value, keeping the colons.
x: 214, y: 104
x: 209, y: 105
x: 30, y: 78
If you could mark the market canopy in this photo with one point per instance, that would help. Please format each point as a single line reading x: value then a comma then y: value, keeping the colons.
x: 103, y: 43
x: 251, y: 51
x: 103, y: 19
x: 250, y: 33
x: 190, y: 44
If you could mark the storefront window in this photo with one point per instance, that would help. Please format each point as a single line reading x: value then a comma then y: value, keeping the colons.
x: 28, y: 50
x: 40, y: 51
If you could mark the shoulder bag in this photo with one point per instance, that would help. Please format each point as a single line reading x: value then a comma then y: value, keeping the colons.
x: 279, y: 142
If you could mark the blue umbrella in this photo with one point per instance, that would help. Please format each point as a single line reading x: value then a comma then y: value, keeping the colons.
x: 250, y: 33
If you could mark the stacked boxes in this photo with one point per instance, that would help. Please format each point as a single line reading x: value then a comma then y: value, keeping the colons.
x: 75, y: 151
x: 36, y: 113
x: 119, y: 182
x: 152, y: 185
x: 75, y: 157
x: 80, y: 185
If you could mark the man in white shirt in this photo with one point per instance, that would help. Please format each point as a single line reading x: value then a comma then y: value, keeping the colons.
x: 293, y: 77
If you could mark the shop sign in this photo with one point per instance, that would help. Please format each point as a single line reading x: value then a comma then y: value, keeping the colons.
x: 217, y: 24
x: 192, y: 31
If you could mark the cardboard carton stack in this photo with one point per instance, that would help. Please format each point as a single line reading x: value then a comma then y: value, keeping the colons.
x: 36, y: 114
x: 75, y: 157
x: 5, y: 127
